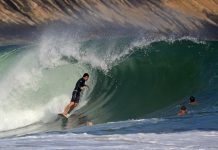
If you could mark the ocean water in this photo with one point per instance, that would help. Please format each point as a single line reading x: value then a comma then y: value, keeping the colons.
x: 136, y: 89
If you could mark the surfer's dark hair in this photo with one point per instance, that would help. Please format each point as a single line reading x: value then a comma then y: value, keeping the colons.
x: 86, y: 75
x: 192, y: 99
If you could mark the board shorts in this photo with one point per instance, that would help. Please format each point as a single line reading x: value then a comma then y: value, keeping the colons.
x: 75, y: 97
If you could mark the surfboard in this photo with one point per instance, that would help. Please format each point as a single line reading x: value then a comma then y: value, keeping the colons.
x: 61, y: 115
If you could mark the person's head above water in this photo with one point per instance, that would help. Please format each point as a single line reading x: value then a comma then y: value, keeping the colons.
x: 86, y: 76
x: 192, y: 99
x: 182, y: 111
x: 183, y: 108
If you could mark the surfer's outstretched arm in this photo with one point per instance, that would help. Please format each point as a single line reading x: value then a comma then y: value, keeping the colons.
x: 83, y: 87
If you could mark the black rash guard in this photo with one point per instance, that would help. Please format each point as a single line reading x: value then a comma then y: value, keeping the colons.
x: 80, y: 83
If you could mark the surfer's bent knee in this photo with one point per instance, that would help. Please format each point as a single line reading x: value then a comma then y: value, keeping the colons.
x: 72, y: 103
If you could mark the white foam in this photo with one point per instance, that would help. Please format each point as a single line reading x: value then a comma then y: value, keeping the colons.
x: 190, y: 140
x: 19, y: 79
x: 53, y: 47
x: 144, y: 42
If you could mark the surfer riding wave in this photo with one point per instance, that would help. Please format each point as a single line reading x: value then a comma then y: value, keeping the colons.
x: 80, y: 85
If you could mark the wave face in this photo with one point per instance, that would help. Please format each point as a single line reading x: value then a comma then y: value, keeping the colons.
x: 154, y: 77
x: 130, y: 78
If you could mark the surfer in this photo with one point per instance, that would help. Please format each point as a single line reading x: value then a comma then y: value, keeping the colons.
x: 80, y: 85
x: 183, y: 111
x: 192, y: 101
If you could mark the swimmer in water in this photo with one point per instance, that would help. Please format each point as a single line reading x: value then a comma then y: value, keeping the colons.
x: 183, y: 111
x: 192, y: 101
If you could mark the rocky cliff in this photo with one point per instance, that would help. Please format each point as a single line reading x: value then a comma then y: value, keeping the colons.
x: 150, y: 15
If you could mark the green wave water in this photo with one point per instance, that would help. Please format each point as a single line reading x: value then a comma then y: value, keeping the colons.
x: 127, y: 81
x: 155, y: 77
